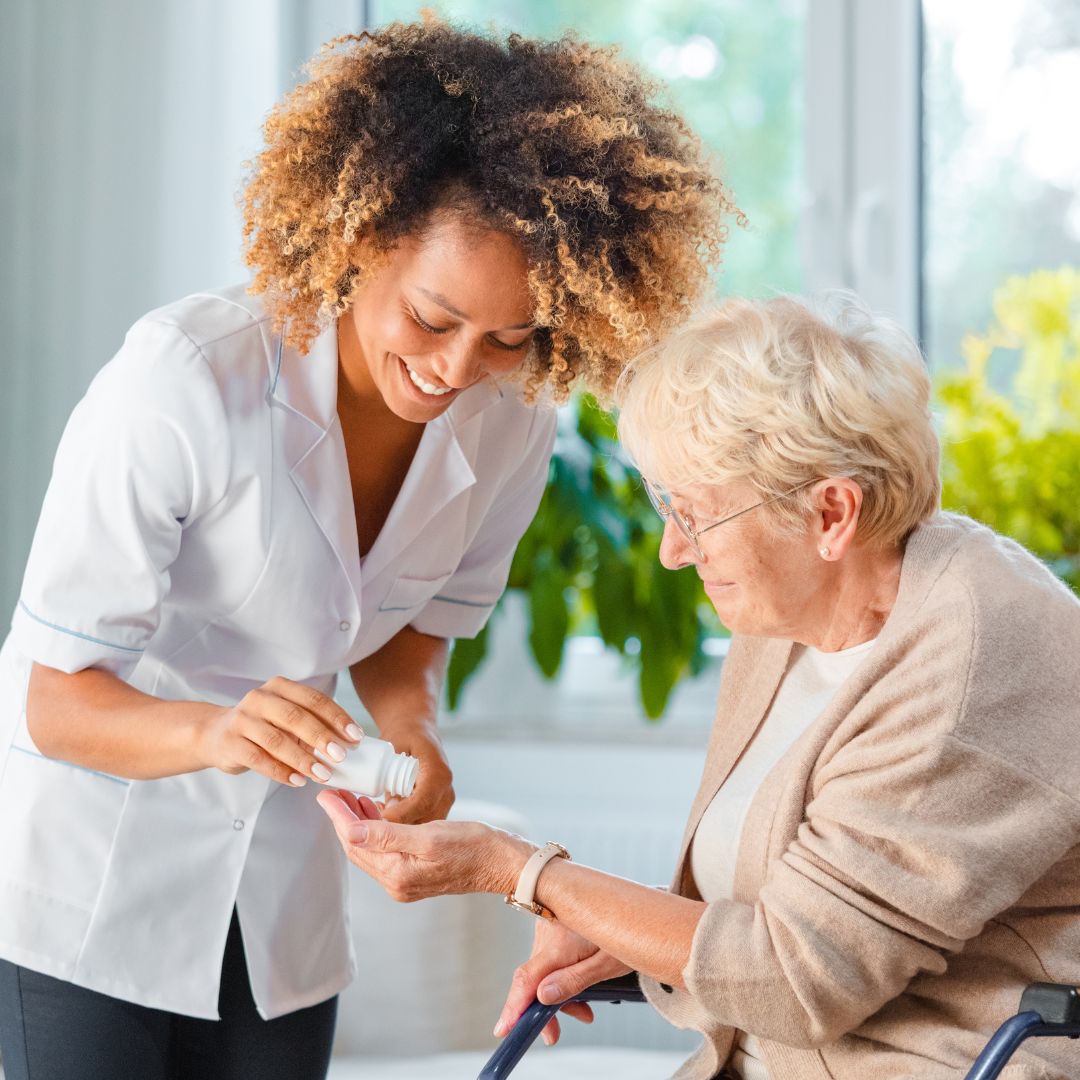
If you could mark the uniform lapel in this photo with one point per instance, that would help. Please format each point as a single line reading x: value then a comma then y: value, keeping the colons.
x: 304, y: 394
x: 745, y: 700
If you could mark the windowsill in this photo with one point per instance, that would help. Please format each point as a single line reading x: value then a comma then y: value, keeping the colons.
x: 594, y: 700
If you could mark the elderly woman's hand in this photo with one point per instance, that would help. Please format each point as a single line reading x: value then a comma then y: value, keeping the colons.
x: 413, y: 862
x: 561, y: 965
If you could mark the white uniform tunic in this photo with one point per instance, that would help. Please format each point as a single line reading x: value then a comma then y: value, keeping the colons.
x: 198, y: 537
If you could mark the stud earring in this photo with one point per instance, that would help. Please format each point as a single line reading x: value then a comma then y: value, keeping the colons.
x: 823, y: 552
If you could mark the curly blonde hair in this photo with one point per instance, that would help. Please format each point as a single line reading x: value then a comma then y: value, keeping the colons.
x: 780, y: 392
x: 555, y: 143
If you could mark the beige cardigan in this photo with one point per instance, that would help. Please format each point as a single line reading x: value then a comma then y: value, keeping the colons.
x: 914, y: 860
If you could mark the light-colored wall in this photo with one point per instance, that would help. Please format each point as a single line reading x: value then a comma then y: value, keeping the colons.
x: 122, y: 135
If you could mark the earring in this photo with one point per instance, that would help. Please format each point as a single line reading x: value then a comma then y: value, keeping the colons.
x: 823, y: 552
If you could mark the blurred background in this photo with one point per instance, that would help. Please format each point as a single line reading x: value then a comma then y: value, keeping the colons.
x: 923, y: 154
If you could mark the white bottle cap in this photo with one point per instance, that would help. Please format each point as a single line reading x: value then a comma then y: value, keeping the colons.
x: 401, y: 775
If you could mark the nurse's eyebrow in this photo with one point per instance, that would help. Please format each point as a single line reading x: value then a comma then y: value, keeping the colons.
x: 447, y: 306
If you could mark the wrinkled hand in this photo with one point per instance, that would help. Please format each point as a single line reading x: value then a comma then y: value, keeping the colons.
x: 274, y: 730
x: 561, y: 965
x: 434, y: 792
x: 413, y: 862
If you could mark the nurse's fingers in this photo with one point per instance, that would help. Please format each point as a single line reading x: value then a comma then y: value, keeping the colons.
x: 235, y: 741
x: 254, y: 757
x: 314, y: 702
x: 289, y: 716
x: 290, y: 752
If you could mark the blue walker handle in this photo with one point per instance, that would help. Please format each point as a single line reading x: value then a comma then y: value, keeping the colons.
x: 1046, y: 1010
x: 534, y: 1019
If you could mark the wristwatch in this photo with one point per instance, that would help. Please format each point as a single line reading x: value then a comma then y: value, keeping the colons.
x: 522, y: 896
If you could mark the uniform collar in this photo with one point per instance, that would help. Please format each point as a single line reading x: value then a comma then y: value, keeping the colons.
x: 305, y: 389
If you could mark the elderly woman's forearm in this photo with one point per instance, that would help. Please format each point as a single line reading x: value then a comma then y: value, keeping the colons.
x: 645, y: 928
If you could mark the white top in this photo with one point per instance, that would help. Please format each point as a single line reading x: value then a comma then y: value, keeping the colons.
x: 198, y: 537
x: 812, y: 678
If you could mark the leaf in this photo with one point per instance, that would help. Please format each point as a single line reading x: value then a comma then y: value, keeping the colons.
x: 613, y: 597
x: 467, y: 656
x: 661, y: 668
x: 549, y: 618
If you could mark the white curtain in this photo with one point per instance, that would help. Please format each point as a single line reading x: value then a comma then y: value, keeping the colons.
x: 123, y: 128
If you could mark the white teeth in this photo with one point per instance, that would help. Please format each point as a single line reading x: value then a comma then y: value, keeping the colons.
x: 435, y: 391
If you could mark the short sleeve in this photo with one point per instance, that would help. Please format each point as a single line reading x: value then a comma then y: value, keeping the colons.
x: 465, y: 602
x: 144, y: 453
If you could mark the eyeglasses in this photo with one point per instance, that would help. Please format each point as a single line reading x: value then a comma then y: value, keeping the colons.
x: 661, y: 502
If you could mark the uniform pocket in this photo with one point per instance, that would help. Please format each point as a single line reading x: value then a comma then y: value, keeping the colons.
x: 59, y: 823
x: 410, y: 592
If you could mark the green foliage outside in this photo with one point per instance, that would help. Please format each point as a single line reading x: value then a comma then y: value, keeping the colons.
x: 1011, y: 419
x: 589, y: 563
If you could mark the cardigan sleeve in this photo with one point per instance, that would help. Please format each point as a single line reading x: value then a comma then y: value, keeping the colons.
x: 928, y: 814
x: 885, y: 879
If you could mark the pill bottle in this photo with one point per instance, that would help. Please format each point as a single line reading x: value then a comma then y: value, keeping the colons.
x: 373, y: 768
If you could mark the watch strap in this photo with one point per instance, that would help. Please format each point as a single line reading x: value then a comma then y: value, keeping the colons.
x: 524, y: 895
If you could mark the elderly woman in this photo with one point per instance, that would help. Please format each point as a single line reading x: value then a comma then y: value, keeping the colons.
x: 885, y: 847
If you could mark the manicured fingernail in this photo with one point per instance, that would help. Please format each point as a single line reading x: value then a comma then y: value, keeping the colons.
x: 552, y: 991
x: 320, y: 771
x: 335, y: 751
x: 547, y: 1039
x: 297, y: 780
x: 354, y: 733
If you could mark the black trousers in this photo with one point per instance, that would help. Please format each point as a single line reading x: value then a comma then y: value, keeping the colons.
x: 52, y: 1030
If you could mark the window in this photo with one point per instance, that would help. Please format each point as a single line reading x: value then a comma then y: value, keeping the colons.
x: 1002, y: 163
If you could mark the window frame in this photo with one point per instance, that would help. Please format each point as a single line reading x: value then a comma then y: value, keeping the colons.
x: 862, y: 223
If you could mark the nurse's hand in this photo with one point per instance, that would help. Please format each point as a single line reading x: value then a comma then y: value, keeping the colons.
x: 413, y: 862
x: 434, y: 792
x: 274, y: 731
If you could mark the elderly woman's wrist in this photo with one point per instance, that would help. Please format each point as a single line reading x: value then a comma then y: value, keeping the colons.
x: 513, y: 852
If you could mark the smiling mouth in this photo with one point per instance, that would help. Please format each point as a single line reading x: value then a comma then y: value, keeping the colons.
x: 422, y: 385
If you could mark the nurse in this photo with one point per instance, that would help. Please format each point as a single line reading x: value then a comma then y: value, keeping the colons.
x: 328, y: 470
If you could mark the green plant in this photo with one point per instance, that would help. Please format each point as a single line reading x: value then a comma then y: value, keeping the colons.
x: 1011, y: 422
x: 588, y: 563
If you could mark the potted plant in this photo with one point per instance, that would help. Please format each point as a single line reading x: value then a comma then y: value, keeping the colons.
x: 589, y: 563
